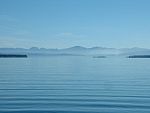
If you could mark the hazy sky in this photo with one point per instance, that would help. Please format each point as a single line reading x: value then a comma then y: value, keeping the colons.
x: 65, y: 23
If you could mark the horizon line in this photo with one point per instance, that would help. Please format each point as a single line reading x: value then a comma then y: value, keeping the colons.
x: 72, y: 47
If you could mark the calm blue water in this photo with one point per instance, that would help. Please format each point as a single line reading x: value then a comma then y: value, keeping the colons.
x: 74, y: 85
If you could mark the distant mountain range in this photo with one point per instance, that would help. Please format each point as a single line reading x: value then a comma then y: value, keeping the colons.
x: 77, y: 50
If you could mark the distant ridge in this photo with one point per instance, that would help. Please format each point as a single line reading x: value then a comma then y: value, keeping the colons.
x: 77, y: 50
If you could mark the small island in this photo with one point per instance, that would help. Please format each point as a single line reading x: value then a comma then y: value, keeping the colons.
x: 99, y: 56
x: 139, y: 56
x: 12, y: 56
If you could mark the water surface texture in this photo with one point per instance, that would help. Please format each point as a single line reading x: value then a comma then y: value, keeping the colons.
x: 74, y: 85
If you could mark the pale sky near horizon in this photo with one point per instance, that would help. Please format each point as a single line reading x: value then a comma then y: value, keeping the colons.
x: 65, y: 23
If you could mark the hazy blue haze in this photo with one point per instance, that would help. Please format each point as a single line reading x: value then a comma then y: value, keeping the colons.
x: 65, y: 23
x: 60, y: 83
x: 74, y: 85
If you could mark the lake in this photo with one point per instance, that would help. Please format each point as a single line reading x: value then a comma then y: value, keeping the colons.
x: 74, y: 84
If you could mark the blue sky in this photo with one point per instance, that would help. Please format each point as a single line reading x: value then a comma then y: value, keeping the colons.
x: 65, y: 23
